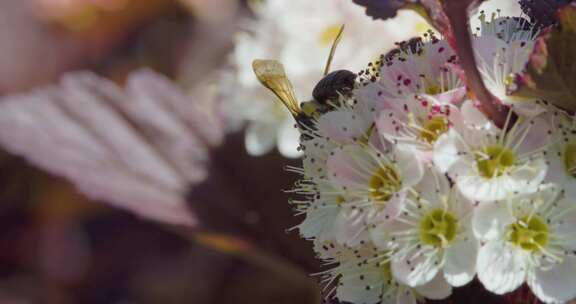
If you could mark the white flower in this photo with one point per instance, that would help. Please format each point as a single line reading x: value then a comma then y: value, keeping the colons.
x: 364, y: 276
x: 503, y: 48
x: 322, y: 210
x: 374, y: 182
x: 408, y: 189
x: 418, y: 121
x: 299, y: 33
x: 322, y: 202
x: 487, y: 163
x: 499, y: 7
x: 417, y: 67
x: 432, y: 236
x: 529, y: 238
x: 561, y: 155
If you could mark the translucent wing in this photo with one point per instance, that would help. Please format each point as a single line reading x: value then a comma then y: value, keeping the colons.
x: 271, y: 74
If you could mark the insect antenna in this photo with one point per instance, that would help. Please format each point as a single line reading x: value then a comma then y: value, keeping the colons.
x: 333, y: 50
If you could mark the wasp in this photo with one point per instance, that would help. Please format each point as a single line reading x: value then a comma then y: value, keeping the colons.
x: 272, y: 75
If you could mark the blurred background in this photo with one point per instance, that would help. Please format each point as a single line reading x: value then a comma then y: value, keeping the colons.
x: 141, y: 162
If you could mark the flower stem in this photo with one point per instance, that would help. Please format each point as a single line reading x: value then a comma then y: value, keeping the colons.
x: 459, y: 38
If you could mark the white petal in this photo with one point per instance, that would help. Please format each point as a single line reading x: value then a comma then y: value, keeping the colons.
x: 319, y: 222
x: 340, y: 169
x: 317, y: 152
x: 380, y: 235
x: 556, y: 285
x: 356, y: 290
x: 473, y: 116
x: 432, y: 186
x: 419, y: 271
x: 446, y: 150
x: 537, y: 137
x: 289, y: 140
x: 260, y: 138
x: 556, y: 168
x: 350, y: 227
x: 528, y: 178
x: 437, y: 289
x: 409, y: 166
x: 460, y: 262
x: 405, y: 296
x: 454, y: 96
x: 526, y: 108
x: 500, y: 268
x: 395, y: 205
x: 477, y: 188
x: 567, y: 226
x: 490, y: 220
x: 343, y: 168
x: 343, y: 126
x: 388, y: 124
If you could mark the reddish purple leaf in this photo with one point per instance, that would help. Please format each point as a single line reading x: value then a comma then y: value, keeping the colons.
x: 550, y: 73
x: 137, y: 148
x: 543, y: 13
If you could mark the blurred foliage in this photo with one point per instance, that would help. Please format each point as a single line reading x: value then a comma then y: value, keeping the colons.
x: 550, y: 74
x: 59, y: 247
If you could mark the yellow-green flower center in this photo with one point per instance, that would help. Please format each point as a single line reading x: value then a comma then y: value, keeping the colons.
x: 438, y: 228
x: 434, y: 128
x: 570, y: 159
x: 434, y: 90
x: 494, y: 161
x: 384, y: 183
x: 529, y: 233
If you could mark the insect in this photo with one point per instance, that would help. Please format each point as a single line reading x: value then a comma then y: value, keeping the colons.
x: 272, y: 75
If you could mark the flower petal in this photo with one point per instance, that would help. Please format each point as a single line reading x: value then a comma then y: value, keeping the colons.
x: 260, y: 138
x: 416, y: 271
x: 437, y: 289
x: 289, y: 140
x: 474, y: 117
x: 447, y: 150
x: 567, y: 226
x: 350, y: 227
x: 405, y: 296
x: 342, y: 167
x: 477, y: 188
x: 500, y: 268
x: 380, y: 234
x: 319, y: 222
x: 555, y: 285
x: 359, y: 285
x: 409, y: 165
x: 527, y: 178
x: 537, y: 135
x: 490, y: 220
x: 460, y: 262
x: 433, y: 186
x: 343, y: 126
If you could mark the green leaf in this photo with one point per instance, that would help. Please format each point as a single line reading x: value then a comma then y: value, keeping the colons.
x: 550, y: 73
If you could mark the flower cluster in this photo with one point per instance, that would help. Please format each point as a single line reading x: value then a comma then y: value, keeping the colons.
x: 409, y: 190
x: 300, y: 33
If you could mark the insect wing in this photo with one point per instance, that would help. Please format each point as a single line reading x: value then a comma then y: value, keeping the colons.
x: 271, y: 74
